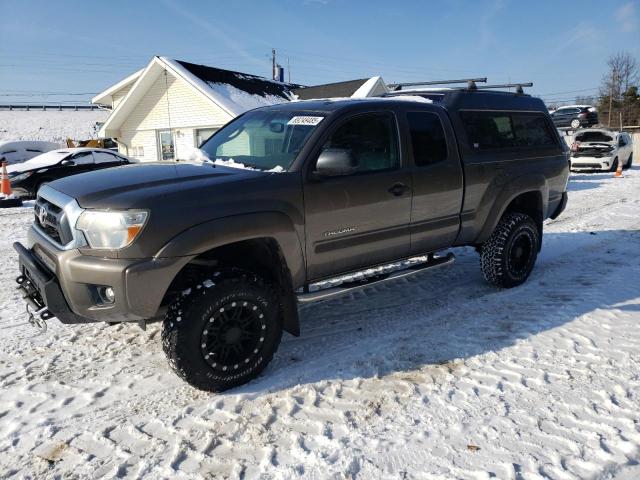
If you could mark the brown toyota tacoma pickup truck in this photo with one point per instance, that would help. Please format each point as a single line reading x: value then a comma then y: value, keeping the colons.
x: 222, y: 251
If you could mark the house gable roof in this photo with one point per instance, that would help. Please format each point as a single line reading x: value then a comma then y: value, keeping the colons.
x: 329, y: 90
x: 106, y: 97
x: 233, y: 92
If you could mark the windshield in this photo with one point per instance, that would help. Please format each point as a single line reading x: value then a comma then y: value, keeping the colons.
x: 594, y: 137
x: 262, y: 139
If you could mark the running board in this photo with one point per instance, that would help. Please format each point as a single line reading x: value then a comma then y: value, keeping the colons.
x: 328, y: 293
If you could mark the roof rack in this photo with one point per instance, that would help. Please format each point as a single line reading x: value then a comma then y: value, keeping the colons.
x: 518, y: 86
x: 470, y: 87
x: 471, y: 83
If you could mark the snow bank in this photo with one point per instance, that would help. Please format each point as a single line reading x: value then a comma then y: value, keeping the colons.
x: 51, y: 125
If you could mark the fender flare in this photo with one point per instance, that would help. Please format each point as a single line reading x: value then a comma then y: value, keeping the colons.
x: 227, y: 230
x: 523, y: 184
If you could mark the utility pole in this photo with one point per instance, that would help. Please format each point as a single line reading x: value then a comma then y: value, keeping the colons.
x: 273, y: 63
x: 613, y: 81
x: 620, y: 121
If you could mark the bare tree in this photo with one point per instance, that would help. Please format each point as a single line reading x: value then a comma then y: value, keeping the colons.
x: 622, y: 74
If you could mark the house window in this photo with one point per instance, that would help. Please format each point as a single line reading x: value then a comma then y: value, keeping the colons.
x: 203, y: 134
x: 166, y: 144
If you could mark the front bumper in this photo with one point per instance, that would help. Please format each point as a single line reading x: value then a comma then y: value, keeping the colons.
x: 65, y: 282
x: 561, y: 206
x: 591, y: 163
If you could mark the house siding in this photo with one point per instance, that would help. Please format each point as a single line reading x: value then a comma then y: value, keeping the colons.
x: 186, y: 111
x: 117, y: 97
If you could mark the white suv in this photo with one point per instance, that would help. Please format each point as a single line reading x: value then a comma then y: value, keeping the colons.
x: 601, y: 149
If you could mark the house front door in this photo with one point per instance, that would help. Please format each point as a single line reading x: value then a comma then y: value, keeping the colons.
x: 166, y: 144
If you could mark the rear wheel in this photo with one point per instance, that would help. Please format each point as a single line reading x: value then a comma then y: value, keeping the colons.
x: 509, y: 255
x: 575, y: 123
x: 223, y: 332
x: 630, y: 161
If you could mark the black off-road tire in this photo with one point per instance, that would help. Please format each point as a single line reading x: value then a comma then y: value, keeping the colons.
x: 629, y: 162
x: 499, y: 260
x: 189, y: 330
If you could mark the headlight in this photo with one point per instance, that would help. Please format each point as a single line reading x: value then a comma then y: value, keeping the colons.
x: 111, y: 229
x: 21, y: 176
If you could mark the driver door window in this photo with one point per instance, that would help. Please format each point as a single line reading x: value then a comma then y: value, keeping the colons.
x: 361, y: 218
x: 371, y: 139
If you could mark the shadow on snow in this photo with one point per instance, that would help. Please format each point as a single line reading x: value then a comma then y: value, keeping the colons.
x: 434, y: 318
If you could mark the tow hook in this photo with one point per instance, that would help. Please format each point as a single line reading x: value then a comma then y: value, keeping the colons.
x: 35, y: 318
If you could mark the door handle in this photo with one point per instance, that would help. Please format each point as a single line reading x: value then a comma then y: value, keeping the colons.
x: 398, y: 189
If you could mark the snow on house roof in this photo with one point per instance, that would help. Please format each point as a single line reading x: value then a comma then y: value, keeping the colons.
x: 234, y: 92
x: 250, y: 84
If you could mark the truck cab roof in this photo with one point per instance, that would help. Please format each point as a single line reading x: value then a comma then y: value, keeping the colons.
x: 448, y: 98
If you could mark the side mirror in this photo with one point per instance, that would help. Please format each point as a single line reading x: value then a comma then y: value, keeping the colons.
x: 67, y: 163
x: 335, y: 162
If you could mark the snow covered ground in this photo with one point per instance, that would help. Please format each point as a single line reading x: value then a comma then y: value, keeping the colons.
x: 50, y: 125
x: 437, y: 376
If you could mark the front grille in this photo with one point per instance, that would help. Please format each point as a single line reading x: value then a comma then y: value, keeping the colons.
x: 51, y: 219
x: 586, y: 165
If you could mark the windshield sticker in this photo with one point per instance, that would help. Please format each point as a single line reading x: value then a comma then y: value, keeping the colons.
x: 305, y: 120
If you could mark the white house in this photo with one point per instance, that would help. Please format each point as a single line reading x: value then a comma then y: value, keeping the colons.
x: 165, y: 109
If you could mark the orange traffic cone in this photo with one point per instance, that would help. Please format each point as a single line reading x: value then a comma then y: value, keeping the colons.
x: 6, y: 184
x: 6, y: 197
x: 618, y: 171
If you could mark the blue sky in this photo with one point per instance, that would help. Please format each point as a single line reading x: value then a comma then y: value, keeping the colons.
x: 82, y: 47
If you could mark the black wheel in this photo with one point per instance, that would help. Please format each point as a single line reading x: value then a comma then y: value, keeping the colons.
x: 509, y: 255
x: 630, y: 161
x: 575, y: 123
x: 223, y: 332
x: 614, y: 165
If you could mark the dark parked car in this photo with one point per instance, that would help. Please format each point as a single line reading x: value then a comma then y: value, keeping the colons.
x: 575, y: 116
x: 27, y: 177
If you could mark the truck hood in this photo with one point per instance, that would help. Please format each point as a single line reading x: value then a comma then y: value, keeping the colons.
x: 135, y: 185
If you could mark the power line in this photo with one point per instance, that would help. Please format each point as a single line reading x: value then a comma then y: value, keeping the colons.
x: 568, y: 91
